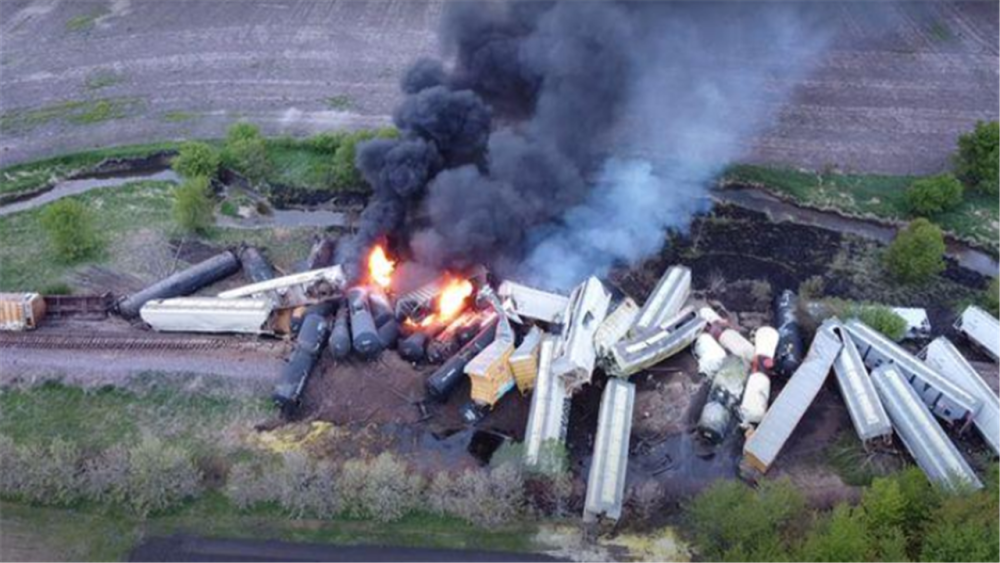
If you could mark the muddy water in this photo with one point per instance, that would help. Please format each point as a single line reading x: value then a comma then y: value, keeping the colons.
x: 78, y: 186
x: 779, y: 210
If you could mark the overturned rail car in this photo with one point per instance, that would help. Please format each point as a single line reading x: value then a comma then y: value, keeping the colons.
x: 868, y: 416
x: 650, y: 348
x: 548, y: 417
x: 942, y: 355
x: 576, y: 356
x: 209, y: 315
x: 665, y: 301
x: 920, y: 433
x: 606, y: 480
x: 182, y: 283
x: 982, y: 329
x: 945, y: 399
x: 763, y: 446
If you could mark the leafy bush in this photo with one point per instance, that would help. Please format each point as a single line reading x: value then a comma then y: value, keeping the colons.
x: 483, y: 497
x: 916, y: 254
x: 71, y: 230
x: 842, y: 536
x: 884, y: 320
x: 160, y: 476
x: 732, y: 522
x: 930, y: 196
x: 246, y: 151
x: 382, y: 489
x: 196, y: 159
x: 976, y: 161
x: 326, y: 142
x: 193, y: 206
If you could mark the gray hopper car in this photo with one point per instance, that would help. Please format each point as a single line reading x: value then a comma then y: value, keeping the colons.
x: 638, y: 353
x: 920, y: 433
x: 863, y: 404
x: 606, y: 480
x: 665, y: 301
x: 945, y: 399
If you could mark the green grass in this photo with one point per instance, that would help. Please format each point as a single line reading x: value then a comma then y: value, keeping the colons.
x: 179, y: 116
x: 84, y: 22
x: 872, y: 196
x: 300, y: 166
x: 212, y: 515
x: 29, y: 261
x: 105, y: 534
x: 34, y: 533
x: 102, y: 79
x: 75, y: 112
x: 98, y: 418
x: 340, y: 103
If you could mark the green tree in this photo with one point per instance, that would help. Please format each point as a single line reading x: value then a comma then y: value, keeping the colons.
x: 196, y: 159
x: 193, y: 206
x: 976, y: 162
x: 71, y: 230
x: 963, y: 528
x: 840, y: 537
x: 732, y: 522
x: 933, y: 195
x: 916, y: 254
x: 246, y: 151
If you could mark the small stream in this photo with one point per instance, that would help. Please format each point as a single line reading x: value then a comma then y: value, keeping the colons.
x: 66, y: 188
x: 290, y: 218
x: 748, y: 198
x: 780, y: 210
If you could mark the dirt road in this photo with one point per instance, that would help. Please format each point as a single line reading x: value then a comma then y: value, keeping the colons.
x: 891, y: 94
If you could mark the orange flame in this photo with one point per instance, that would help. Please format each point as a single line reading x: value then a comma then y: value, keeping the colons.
x: 380, y: 268
x: 452, y: 299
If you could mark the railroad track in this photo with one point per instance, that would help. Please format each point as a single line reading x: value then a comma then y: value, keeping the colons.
x: 116, y: 342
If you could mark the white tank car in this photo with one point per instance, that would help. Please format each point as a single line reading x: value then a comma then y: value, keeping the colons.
x: 755, y: 398
x: 710, y: 354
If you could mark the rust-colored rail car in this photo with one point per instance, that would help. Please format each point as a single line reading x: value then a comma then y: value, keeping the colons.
x: 79, y: 306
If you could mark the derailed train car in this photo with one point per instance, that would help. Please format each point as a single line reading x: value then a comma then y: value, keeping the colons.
x: 185, y: 282
x: 945, y: 399
x: 944, y: 358
x: 920, y: 433
x: 209, y: 314
x: 665, y: 301
x: 295, y: 374
x: 606, y: 480
x: 635, y: 354
x: 868, y: 416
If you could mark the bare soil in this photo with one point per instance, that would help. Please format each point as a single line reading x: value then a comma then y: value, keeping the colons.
x: 898, y: 84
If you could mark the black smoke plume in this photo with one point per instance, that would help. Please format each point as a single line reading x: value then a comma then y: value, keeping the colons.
x: 565, y: 138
